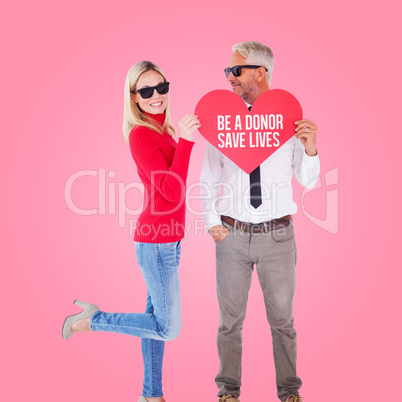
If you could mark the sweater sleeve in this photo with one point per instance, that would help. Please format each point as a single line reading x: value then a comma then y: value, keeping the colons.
x: 169, y: 181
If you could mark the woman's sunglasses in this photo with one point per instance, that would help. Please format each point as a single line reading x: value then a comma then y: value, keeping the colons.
x: 147, y: 92
x: 236, y: 70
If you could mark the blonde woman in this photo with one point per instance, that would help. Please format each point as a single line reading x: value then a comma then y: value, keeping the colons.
x: 162, y: 165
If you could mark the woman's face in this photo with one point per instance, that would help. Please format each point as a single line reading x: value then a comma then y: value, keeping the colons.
x: 157, y: 103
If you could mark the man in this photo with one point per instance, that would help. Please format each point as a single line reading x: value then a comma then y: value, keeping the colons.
x: 253, y: 225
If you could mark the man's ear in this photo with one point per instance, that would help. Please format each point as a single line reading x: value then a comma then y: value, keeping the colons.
x: 261, y: 74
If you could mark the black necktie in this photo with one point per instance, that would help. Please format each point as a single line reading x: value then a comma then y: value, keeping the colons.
x: 255, y: 186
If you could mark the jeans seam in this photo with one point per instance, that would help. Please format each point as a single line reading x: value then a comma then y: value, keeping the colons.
x: 166, y: 324
x: 122, y: 325
x: 152, y: 367
x: 150, y: 331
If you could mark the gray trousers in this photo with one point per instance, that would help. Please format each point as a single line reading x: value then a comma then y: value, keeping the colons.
x: 274, y: 254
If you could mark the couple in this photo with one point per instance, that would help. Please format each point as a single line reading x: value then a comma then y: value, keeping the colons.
x: 248, y: 229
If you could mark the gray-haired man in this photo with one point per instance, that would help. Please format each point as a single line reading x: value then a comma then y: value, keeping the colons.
x: 251, y: 223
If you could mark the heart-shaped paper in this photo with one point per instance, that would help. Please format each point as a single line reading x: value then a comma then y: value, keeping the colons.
x: 246, y: 137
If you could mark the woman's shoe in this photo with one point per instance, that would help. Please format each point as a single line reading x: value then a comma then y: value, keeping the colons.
x: 89, y: 310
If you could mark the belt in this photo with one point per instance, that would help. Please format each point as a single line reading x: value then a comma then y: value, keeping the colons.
x: 262, y: 227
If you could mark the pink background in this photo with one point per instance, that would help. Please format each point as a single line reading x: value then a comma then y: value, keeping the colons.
x: 63, y: 69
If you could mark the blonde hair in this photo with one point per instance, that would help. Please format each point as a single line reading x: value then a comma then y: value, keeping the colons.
x: 257, y: 53
x: 133, y: 115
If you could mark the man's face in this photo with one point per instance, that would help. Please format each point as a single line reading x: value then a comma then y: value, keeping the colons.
x: 246, y: 85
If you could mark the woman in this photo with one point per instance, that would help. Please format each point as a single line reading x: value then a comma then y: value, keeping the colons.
x: 162, y: 166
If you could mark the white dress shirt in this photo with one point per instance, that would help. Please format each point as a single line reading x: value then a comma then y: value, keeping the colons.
x: 225, y: 188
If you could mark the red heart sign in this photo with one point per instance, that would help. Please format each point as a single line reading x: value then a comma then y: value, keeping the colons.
x: 248, y: 138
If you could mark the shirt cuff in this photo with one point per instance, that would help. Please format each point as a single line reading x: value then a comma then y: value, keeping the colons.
x: 212, y: 221
x: 310, y: 160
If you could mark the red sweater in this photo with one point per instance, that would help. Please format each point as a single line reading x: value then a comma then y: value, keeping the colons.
x: 162, y: 165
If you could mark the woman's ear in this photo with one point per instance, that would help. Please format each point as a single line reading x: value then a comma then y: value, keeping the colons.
x: 134, y: 97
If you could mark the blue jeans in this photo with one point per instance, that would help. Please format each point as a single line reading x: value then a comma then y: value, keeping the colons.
x: 159, y: 263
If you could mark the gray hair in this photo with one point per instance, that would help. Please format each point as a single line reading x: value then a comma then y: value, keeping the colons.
x: 258, y: 54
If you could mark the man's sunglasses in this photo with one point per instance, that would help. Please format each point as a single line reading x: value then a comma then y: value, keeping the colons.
x: 147, y: 92
x: 236, y: 70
